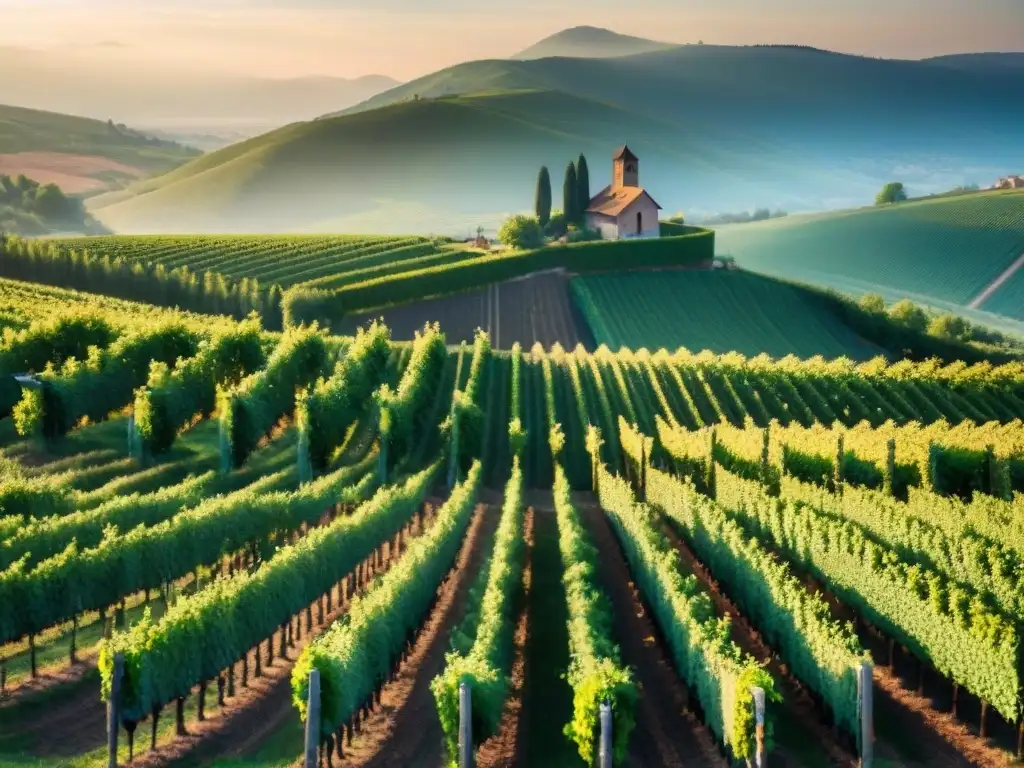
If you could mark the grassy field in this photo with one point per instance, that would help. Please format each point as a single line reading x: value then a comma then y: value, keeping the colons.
x: 947, y: 250
x: 48, y: 146
x: 376, y: 167
x: 719, y: 311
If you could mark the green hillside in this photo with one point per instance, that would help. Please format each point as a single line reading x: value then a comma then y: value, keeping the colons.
x: 462, y: 158
x: 719, y: 311
x: 717, y: 128
x: 943, y: 252
x: 30, y: 130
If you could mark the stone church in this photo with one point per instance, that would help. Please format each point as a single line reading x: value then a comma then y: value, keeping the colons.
x: 623, y: 209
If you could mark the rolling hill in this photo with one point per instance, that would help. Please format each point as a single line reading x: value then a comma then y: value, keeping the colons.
x: 589, y: 43
x: 80, y: 154
x: 717, y: 128
x: 943, y: 252
x: 464, y: 158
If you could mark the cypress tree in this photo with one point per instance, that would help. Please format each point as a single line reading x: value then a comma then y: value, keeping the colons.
x: 570, y: 195
x: 542, y: 200
x: 583, y: 183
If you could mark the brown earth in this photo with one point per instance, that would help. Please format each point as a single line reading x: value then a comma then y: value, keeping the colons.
x: 533, y: 309
x: 501, y: 751
x: 667, y: 733
x: 255, y: 713
x: 72, y: 173
x: 797, y: 706
x: 404, y: 729
x: 909, y: 730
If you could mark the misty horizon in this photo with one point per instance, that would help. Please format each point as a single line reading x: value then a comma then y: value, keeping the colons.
x: 271, y: 39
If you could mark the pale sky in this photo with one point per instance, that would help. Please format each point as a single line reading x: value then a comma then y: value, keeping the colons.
x: 409, y: 38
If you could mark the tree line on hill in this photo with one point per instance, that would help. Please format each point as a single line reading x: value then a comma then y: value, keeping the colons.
x: 525, y: 232
x: 180, y: 288
x: 30, y: 208
x: 742, y: 217
x: 947, y: 326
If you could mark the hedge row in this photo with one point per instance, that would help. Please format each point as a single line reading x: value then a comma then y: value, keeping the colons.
x: 304, y: 305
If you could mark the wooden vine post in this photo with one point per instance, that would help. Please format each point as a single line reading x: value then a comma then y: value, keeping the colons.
x: 644, y: 458
x: 305, y: 466
x: 114, y: 710
x: 604, y: 755
x: 223, y: 443
x: 760, y: 752
x: 890, y: 465
x: 865, y: 696
x: 840, y: 460
x: 712, y: 447
x: 465, y: 726
x: 313, y: 719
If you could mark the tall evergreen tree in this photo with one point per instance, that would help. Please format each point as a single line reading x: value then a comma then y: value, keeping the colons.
x: 542, y: 200
x: 570, y: 195
x: 583, y: 184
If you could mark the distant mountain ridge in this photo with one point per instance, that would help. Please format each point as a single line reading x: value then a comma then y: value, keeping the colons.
x: 589, y: 43
x: 716, y: 128
x: 124, y: 95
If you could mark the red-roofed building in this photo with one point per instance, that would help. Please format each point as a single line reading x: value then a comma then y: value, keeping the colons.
x: 623, y: 209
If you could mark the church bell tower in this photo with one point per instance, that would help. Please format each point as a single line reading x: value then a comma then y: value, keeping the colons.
x: 625, y: 169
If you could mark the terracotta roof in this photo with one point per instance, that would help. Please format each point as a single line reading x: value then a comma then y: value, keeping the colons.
x: 623, y: 153
x: 613, y: 202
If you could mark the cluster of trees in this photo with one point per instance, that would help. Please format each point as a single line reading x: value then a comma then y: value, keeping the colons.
x: 207, y: 292
x: 575, y: 196
x: 743, y: 217
x: 30, y: 208
x: 123, y: 132
x: 947, y: 326
x: 522, y: 231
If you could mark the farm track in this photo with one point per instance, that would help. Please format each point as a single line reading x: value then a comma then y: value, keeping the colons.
x: 667, y: 733
x: 404, y: 730
x: 256, y: 713
x: 996, y: 284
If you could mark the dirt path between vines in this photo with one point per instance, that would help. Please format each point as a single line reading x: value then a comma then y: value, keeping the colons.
x: 908, y: 730
x: 501, y: 751
x: 255, y: 713
x: 797, y: 706
x: 666, y: 734
x: 404, y: 730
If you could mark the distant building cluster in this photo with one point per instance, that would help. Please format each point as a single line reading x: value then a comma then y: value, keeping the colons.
x: 1010, y: 182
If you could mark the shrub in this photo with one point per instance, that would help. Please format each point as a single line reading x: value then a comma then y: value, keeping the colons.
x: 950, y: 327
x: 909, y: 315
x: 583, y: 235
x: 556, y: 226
x: 872, y: 302
x: 521, y: 231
